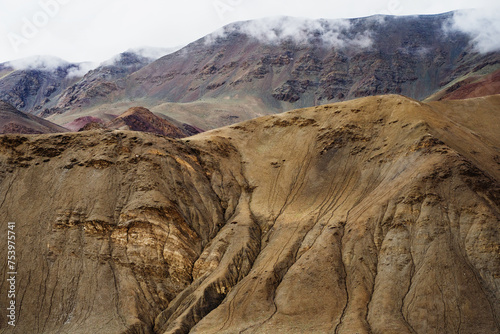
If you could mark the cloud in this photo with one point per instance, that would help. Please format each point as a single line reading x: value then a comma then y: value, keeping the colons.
x: 152, y: 53
x: 43, y: 63
x: 142, y: 54
x: 333, y: 33
x: 79, y: 70
x: 50, y: 64
x: 482, y: 25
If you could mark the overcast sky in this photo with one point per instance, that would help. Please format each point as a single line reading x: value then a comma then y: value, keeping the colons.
x: 95, y: 30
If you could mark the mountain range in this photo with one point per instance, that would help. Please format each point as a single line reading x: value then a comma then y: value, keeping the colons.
x: 249, y: 69
x: 36, y: 83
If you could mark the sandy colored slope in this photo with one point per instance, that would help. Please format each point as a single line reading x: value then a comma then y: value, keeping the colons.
x: 362, y: 235
x: 379, y: 215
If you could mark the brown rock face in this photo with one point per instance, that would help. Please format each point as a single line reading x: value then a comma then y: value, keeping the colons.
x: 15, y: 121
x: 141, y: 119
x: 379, y: 215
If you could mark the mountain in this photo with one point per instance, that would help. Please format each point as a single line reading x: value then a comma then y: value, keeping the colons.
x: 103, y: 80
x: 15, y: 121
x: 136, y: 119
x: 40, y: 83
x: 30, y: 83
x: 141, y: 119
x: 377, y: 215
x: 249, y: 69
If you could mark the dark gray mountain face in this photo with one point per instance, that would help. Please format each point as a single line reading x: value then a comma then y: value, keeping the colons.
x: 37, y: 88
x: 98, y: 82
x: 29, y: 89
x: 412, y: 56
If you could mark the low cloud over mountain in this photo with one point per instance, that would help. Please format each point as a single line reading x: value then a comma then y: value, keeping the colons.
x: 483, y: 25
x: 332, y: 33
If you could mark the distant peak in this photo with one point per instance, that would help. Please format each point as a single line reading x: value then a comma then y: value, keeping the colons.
x: 137, y: 111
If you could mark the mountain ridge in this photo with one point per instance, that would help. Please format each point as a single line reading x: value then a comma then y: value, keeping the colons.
x: 15, y: 121
x: 36, y: 83
x: 373, y: 215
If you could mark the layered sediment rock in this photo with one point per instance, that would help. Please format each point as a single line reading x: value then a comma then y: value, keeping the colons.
x: 379, y: 215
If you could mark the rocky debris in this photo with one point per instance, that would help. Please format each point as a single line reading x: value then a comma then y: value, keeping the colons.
x: 367, y: 216
x: 215, y: 85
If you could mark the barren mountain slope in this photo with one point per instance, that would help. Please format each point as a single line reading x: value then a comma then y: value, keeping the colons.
x: 101, y: 81
x: 28, y: 88
x: 379, y: 215
x: 15, y: 121
x: 473, y: 86
x: 38, y: 83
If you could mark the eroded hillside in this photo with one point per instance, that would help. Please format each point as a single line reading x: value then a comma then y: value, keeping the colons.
x: 379, y: 215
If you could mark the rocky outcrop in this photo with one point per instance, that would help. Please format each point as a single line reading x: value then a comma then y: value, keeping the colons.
x: 92, y: 126
x: 141, y: 119
x: 379, y: 215
x: 81, y: 122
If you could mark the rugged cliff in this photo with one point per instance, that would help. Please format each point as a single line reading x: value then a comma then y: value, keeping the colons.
x: 379, y: 215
